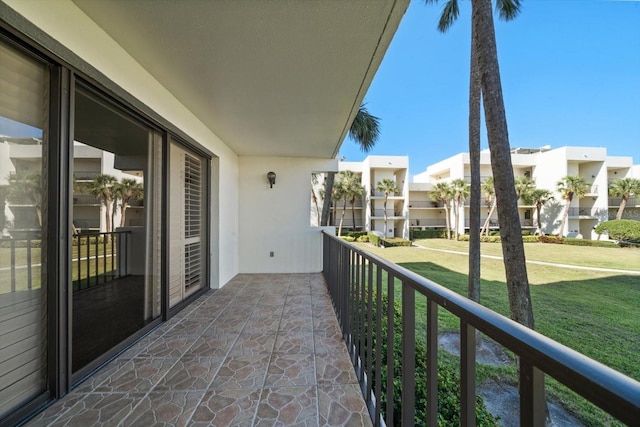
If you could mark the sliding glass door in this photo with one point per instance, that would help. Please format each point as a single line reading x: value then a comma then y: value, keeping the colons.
x: 24, y: 112
x: 116, y: 246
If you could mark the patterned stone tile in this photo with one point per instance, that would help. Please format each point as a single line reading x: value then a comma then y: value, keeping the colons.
x: 241, y: 372
x: 190, y: 373
x: 294, y: 343
x: 342, y: 405
x: 299, y: 289
x: 287, y: 406
x: 271, y: 299
x: 263, y: 324
x: 253, y: 343
x: 173, y: 344
x: 49, y: 415
x: 193, y: 327
x: 335, y: 368
x: 138, y: 375
x: 90, y: 384
x: 330, y: 341
x: 99, y: 409
x: 222, y: 326
x: 171, y: 408
x: 298, y: 300
x: 291, y: 370
x: 296, y: 324
x: 325, y: 323
x: 206, y: 313
x: 212, y: 345
x: 149, y: 339
x: 222, y: 408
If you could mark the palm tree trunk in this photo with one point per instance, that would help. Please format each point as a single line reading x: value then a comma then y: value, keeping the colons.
x: 538, y: 211
x: 623, y: 204
x: 125, y: 205
x: 511, y: 236
x: 487, y: 222
x: 353, y: 213
x: 314, y: 198
x: 474, y: 156
x: 565, y: 214
x: 385, y: 216
x: 326, y: 204
x: 447, y: 219
x: 456, y: 206
x: 344, y: 208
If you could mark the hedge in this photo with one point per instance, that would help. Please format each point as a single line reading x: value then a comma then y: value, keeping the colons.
x: 497, y: 239
x: 621, y: 229
x: 427, y: 234
x: 395, y: 241
x: 583, y: 242
x: 448, y: 378
x: 550, y: 239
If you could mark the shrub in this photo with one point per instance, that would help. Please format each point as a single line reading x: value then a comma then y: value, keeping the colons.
x: 19, y: 243
x: 356, y: 234
x: 395, y: 241
x: 348, y: 238
x: 583, y: 242
x: 363, y: 238
x: 427, y: 234
x: 448, y: 378
x: 373, y: 239
x: 627, y: 230
x: 550, y: 239
x: 497, y: 239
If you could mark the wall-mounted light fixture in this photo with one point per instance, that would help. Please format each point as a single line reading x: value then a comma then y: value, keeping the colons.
x: 271, y: 177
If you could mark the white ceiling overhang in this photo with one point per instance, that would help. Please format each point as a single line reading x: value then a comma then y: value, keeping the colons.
x: 269, y: 77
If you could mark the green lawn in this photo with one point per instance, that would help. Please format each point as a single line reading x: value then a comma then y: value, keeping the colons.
x: 595, y: 313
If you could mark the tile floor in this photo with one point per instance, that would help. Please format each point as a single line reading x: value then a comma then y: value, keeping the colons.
x: 265, y: 350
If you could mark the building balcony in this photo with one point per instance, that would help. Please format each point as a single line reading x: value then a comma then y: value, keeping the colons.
x: 379, y: 214
x: 583, y: 213
x: 631, y: 202
x: 264, y: 350
x: 422, y: 204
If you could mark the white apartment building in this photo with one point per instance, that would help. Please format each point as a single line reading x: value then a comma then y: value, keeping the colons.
x: 370, y: 211
x: 414, y: 208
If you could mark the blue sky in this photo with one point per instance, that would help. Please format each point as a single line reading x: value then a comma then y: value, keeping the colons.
x: 570, y: 73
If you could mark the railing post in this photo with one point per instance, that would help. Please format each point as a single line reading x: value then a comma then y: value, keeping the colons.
x: 29, y: 286
x: 532, y: 395
x: 408, y: 356
x: 13, y: 265
x: 432, y: 363
x: 467, y: 374
x: 390, y: 352
x: 378, y: 376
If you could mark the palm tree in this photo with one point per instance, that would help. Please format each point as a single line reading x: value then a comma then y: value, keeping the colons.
x: 102, y: 188
x: 339, y: 193
x: 624, y: 188
x: 524, y: 186
x: 569, y: 187
x: 509, y: 9
x: 442, y: 192
x: 27, y: 187
x: 538, y: 197
x: 128, y: 190
x: 365, y: 131
x: 484, y: 38
x: 386, y: 186
x: 490, y: 199
x: 353, y: 191
x: 314, y: 196
x: 460, y: 194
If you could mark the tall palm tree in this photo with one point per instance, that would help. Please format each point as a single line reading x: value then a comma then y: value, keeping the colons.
x: 524, y: 186
x: 102, y: 188
x: 442, y: 192
x: 538, y: 197
x: 128, y: 190
x: 484, y: 38
x: 461, y: 192
x: 365, y: 131
x: 624, y: 188
x: 353, y: 190
x: 339, y: 193
x: 490, y: 199
x: 386, y: 186
x: 509, y: 9
x: 569, y: 187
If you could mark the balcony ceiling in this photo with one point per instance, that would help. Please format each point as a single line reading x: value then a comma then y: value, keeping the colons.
x: 276, y: 78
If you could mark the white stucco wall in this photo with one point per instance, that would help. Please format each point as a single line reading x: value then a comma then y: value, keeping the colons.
x: 66, y: 23
x: 277, y: 219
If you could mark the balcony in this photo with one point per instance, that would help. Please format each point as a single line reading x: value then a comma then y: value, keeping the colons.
x: 358, y: 281
x: 586, y: 213
x: 422, y: 204
x: 631, y: 201
x: 379, y: 214
x: 264, y: 350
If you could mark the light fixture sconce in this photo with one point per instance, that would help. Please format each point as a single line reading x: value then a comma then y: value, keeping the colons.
x: 271, y: 177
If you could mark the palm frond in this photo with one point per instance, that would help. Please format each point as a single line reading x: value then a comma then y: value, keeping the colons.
x: 365, y: 129
x: 450, y: 13
x: 508, y: 9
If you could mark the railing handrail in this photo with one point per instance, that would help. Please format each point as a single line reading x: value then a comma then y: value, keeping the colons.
x: 605, y: 387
